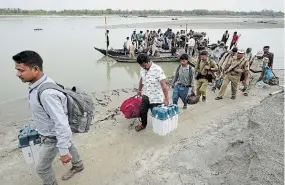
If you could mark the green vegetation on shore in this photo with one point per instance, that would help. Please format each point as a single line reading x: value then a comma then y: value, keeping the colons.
x: 198, y: 12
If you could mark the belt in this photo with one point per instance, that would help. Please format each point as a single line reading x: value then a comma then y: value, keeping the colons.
x: 183, y: 85
x: 48, y: 137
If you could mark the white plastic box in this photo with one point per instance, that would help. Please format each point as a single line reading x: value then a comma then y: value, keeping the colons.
x: 164, y: 119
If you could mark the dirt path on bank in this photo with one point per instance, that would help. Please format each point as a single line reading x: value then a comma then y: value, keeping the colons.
x: 212, y: 145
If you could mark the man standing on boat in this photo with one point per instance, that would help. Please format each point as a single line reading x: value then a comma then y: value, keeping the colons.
x: 140, y: 38
x: 191, y: 45
x: 146, y: 35
x: 234, y: 40
x: 127, y: 45
x: 107, y: 37
x: 152, y: 87
x: 225, y: 37
x: 134, y: 38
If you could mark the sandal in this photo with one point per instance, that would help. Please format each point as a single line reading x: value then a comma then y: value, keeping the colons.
x: 139, y: 128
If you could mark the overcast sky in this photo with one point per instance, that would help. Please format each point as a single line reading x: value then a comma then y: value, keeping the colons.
x: 236, y: 5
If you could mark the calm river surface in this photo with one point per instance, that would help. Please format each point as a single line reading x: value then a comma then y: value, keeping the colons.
x: 66, y: 46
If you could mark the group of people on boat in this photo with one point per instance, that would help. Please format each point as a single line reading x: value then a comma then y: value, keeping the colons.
x: 152, y: 42
x: 235, y: 66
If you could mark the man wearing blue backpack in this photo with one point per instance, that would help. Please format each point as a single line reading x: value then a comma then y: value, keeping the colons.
x: 50, y: 116
x: 183, y: 80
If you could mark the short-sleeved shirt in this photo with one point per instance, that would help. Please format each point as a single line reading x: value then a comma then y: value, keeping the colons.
x: 151, y: 83
x: 201, y: 68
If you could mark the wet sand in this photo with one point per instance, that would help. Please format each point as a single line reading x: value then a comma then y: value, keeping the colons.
x: 217, y: 142
x: 206, y: 24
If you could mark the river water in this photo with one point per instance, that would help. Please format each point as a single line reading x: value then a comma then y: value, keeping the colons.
x: 66, y: 46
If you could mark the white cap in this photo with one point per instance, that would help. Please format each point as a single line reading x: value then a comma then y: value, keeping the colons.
x: 241, y: 51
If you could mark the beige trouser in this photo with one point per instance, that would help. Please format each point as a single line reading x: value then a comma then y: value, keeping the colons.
x: 251, y: 81
x: 234, y: 79
x: 201, y: 85
x: 132, y: 54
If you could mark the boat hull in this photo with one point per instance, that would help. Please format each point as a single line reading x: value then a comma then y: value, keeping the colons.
x: 154, y: 59
x: 120, y: 52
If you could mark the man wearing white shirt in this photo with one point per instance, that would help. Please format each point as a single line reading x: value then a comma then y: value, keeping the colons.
x: 127, y: 45
x: 191, y: 45
x: 152, y: 88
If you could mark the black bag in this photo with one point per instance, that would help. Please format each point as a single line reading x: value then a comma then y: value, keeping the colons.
x: 273, y: 81
x: 209, y: 77
x: 192, y: 99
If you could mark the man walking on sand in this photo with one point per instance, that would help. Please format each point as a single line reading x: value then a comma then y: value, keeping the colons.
x: 50, y: 119
x: 184, y: 79
x: 232, y: 73
x: 204, y: 69
x: 153, y: 82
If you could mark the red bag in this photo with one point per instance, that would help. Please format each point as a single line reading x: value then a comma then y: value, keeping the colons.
x: 131, y: 107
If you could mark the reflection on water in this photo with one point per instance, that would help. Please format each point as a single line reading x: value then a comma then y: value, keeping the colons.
x: 66, y: 46
x: 133, y: 69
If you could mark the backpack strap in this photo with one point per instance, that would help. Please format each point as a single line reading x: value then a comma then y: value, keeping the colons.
x: 58, y: 87
x: 49, y: 85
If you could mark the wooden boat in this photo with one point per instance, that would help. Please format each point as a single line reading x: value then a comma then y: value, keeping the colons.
x: 127, y: 59
x: 38, y: 29
x: 120, y: 52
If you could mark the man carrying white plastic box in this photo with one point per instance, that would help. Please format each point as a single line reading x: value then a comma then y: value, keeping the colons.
x: 153, y: 82
x: 50, y: 119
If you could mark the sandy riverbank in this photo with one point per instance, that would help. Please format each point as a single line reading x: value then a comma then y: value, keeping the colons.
x: 206, y: 24
x: 230, y: 142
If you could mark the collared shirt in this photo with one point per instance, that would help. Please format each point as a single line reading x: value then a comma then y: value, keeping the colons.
x: 134, y: 37
x: 127, y: 44
x: 151, y: 83
x: 191, y: 42
x: 200, y: 66
x: 184, y: 76
x: 51, y: 119
x: 218, y: 52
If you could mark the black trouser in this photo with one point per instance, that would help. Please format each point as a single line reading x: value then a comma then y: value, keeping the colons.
x: 144, y: 109
x: 232, y: 44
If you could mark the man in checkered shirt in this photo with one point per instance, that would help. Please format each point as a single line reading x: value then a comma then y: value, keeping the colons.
x: 152, y: 87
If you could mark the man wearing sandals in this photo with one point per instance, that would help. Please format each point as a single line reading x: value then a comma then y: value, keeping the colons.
x: 152, y: 87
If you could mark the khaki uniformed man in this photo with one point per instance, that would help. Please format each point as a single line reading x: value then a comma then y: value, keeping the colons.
x: 233, y: 68
x: 204, y: 68
x: 256, y: 72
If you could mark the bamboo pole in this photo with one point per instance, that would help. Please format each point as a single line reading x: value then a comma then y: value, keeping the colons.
x: 185, y: 36
x: 106, y: 36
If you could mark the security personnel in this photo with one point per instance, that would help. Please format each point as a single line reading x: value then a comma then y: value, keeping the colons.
x: 257, y: 70
x: 232, y: 73
x: 204, y: 69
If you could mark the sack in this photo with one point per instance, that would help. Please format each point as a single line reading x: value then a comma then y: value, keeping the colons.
x: 273, y: 81
x: 192, y: 99
x: 131, y: 107
x: 80, y: 106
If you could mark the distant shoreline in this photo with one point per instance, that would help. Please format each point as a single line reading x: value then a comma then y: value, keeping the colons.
x: 149, y: 16
x: 250, y: 23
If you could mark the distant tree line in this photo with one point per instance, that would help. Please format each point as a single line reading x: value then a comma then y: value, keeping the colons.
x: 198, y: 12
